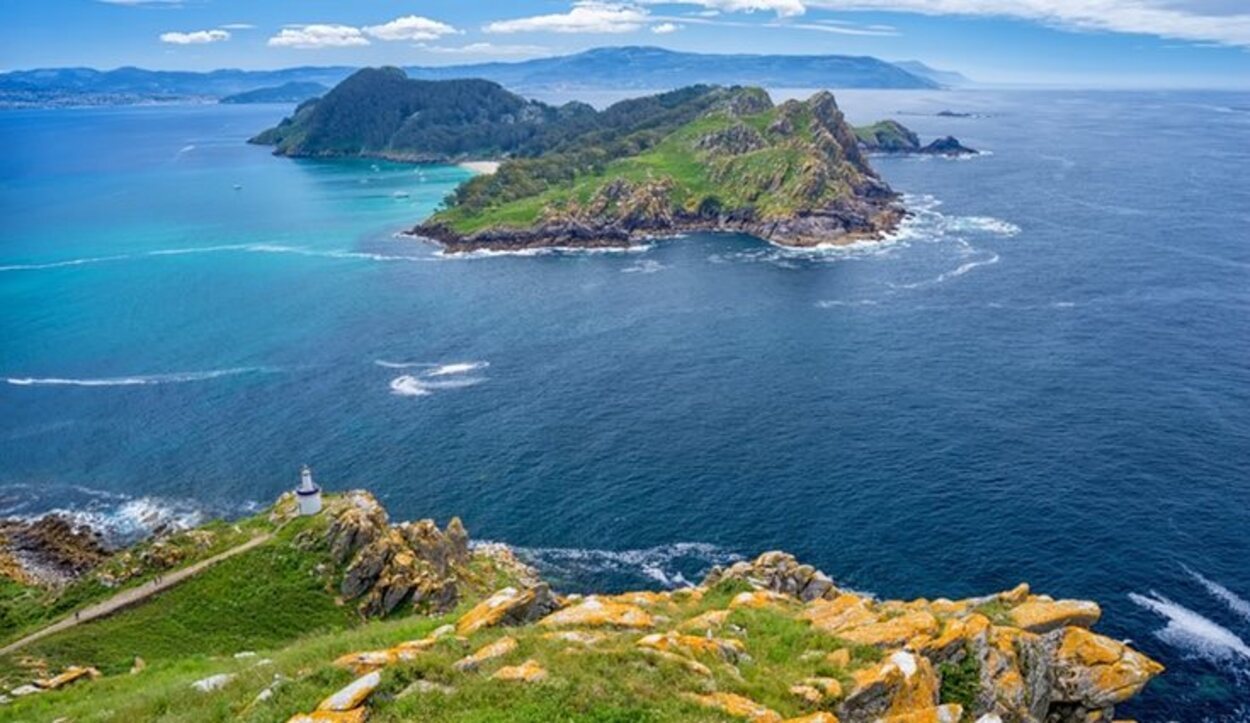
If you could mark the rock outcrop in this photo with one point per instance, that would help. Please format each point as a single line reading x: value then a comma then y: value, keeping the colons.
x: 412, y: 564
x: 50, y: 550
x: 892, y: 137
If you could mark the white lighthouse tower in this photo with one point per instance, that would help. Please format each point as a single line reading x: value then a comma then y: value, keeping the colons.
x: 308, y: 493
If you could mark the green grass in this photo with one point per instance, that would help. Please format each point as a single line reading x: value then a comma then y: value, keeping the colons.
x: 263, y: 597
x: 24, y: 609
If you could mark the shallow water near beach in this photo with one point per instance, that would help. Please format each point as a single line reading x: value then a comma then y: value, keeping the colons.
x: 1043, y: 376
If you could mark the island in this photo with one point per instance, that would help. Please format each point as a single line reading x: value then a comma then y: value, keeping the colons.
x: 892, y: 137
x: 321, y: 608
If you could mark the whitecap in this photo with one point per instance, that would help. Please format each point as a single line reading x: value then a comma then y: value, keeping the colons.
x: 1236, y: 603
x: 1193, y: 633
x: 838, y: 303
x: 644, y: 266
x: 139, y: 380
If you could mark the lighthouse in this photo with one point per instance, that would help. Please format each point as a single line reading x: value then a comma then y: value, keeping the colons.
x: 308, y: 493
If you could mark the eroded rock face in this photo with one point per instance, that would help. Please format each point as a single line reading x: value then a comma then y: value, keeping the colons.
x: 510, y: 606
x: 388, y: 566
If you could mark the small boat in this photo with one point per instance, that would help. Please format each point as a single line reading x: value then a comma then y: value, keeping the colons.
x: 399, y: 194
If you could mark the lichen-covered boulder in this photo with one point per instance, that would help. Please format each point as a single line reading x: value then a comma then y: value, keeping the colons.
x: 1095, y: 671
x: 353, y: 695
x: 725, y: 649
x: 1041, y: 614
x: 598, y: 612
x: 488, y: 652
x: 528, y: 672
x: 510, y: 606
x: 891, y: 632
x: 737, y: 706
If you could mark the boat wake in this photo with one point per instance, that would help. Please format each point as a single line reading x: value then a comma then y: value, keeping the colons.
x: 139, y: 380
x: 1198, y: 635
x: 437, y: 377
x: 232, y: 248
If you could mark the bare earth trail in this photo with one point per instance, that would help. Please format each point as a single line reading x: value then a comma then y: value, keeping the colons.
x: 130, y: 597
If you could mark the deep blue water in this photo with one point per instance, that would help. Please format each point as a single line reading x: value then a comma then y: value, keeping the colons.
x: 1046, y: 377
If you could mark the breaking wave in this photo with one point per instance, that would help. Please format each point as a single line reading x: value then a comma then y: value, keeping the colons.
x: 644, y: 266
x: 120, y: 519
x: 139, y: 380
x: 1192, y: 632
x: 674, y: 565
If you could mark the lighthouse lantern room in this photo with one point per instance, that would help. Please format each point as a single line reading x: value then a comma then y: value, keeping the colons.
x: 308, y: 493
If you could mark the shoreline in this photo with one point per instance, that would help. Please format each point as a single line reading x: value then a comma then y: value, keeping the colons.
x: 805, y: 231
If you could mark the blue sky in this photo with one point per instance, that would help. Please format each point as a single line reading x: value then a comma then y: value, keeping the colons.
x: 1128, y: 43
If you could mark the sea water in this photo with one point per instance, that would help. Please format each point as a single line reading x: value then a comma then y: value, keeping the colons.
x: 1044, y: 375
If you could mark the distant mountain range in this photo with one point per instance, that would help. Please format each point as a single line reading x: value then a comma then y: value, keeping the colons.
x: 616, y: 68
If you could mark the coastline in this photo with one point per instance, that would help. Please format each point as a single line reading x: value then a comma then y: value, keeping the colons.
x: 480, y: 167
x: 803, y: 231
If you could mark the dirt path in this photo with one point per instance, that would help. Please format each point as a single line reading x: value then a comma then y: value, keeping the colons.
x: 133, y: 595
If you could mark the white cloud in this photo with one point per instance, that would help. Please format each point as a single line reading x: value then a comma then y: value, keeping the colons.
x: 199, y: 37
x: 665, y: 28
x: 783, y: 8
x: 1217, y: 22
x: 588, y: 16
x: 311, y: 37
x: 491, y: 49
x: 411, y: 27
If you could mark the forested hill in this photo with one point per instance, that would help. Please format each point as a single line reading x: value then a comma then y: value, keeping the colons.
x: 381, y: 112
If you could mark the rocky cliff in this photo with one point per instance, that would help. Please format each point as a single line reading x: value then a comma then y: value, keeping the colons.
x: 892, y: 137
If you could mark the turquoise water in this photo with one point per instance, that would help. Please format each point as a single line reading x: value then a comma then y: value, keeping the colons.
x: 1044, y: 377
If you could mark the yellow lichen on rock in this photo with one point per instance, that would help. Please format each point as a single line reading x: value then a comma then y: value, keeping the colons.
x: 71, y: 674
x: 353, y: 695
x: 598, y: 612
x: 949, y: 713
x: 710, y: 620
x: 528, y: 672
x: 757, y: 599
x: 490, y: 651
x: 694, y: 645
x: 891, y: 632
x: 1041, y: 615
x: 844, y: 611
x: 1098, y: 671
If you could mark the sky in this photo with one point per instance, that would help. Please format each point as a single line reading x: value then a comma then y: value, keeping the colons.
x: 1067, y: 43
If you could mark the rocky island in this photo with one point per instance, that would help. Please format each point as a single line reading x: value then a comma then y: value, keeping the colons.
x: 892, y: 137
x: 343, y: 615
x: 702, y: 158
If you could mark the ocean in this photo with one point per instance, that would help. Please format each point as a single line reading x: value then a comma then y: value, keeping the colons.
x: 1043, y: 376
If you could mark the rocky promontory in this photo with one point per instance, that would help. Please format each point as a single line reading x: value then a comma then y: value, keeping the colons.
x: 442, y: 629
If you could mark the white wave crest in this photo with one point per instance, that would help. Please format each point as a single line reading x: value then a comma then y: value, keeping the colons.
x: 173, y: 378
x: 840, y: 303
x: 1191, y: 632
x: 665, y: 564
x: 1236, y: 603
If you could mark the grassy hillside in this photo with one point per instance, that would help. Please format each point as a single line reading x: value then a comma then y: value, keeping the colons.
x: 742, y: 155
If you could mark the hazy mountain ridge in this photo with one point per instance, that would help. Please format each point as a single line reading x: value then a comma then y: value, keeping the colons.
x: 612, y: 68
